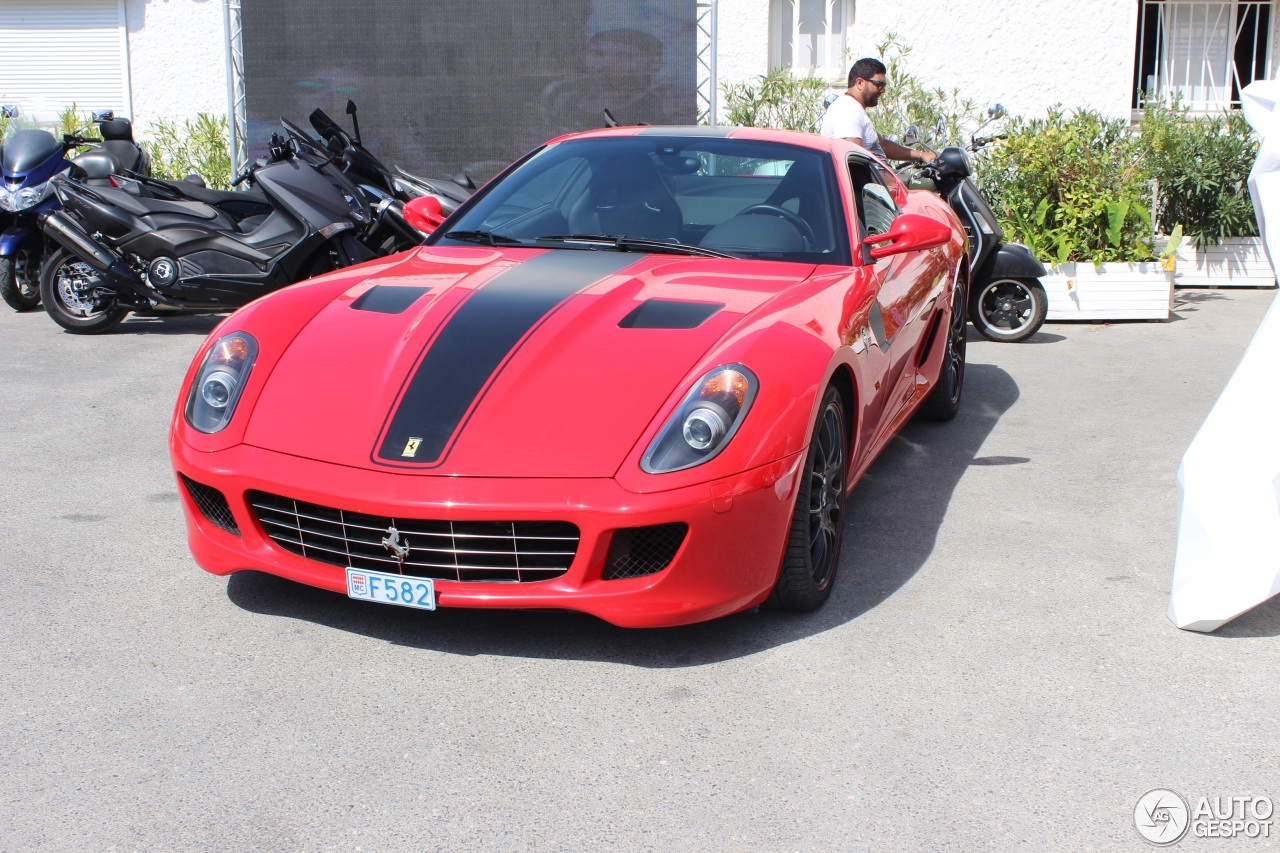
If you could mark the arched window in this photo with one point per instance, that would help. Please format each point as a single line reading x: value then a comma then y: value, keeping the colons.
x: 809, y: 37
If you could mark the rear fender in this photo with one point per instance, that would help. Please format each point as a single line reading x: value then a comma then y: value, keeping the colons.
x: 1011, y: 260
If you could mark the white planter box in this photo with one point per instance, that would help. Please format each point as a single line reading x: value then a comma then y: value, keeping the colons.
x: 1237, y: 262
x: 1110, y: 292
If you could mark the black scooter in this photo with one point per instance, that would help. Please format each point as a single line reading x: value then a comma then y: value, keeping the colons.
x: 123, y: 251
x: 1007, y: 302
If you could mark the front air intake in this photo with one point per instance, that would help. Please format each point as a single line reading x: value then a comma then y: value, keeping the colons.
x: 639, y: 551
x: 212, y: 505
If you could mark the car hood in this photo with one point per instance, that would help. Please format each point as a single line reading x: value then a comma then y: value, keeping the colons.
x: 465, y: 361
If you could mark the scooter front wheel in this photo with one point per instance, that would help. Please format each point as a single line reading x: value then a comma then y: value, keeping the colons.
x: 75, y: 296
x: 20, y: 280
x: 1008, y: 309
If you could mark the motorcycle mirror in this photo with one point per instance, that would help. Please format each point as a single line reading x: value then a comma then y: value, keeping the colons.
x: 105, y: 115
x: 355, y: 122
x: 996, y: 111
x: 10, y: 111
x: 424, y: 213
x: 912, y: 136
x: 940, y: 130
x: 609, y: 120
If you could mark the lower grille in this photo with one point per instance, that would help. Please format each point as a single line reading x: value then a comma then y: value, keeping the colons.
x: 212, y: 505
x: 639, y: 551
x: 470, y: 551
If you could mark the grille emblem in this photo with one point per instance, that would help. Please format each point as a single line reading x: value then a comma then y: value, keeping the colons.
x: 392, y: 543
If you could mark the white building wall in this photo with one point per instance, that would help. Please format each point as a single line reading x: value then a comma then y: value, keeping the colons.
x: 177, y: 59
x: 1028, y: 56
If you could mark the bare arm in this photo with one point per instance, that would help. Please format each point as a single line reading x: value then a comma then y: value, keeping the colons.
x: 894, y: 151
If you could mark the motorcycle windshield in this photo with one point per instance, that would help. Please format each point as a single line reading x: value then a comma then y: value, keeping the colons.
x: 25, y: 150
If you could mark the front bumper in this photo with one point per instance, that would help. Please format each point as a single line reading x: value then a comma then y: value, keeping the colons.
x: 728, y: 562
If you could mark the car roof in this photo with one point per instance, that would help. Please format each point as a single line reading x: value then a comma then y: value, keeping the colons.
x: 837, y: 147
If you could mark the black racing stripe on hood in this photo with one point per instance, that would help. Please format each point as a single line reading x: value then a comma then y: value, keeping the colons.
x: 465, y: 355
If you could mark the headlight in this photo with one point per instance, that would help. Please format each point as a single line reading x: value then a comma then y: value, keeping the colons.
x: 19, y: 200
x: 704, y: 422
x: 220, y: 380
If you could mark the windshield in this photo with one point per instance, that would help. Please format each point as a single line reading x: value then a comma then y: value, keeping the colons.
x: 744, y: 198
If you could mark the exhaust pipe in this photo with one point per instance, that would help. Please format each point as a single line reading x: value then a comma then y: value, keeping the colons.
x: 74, y: 239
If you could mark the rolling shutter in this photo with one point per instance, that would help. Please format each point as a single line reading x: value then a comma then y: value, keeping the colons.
x: 55, y: 53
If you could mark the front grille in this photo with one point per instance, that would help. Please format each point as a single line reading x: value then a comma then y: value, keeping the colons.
x: 212, y: 505
x: 639, y: 551
x: 471, y: 551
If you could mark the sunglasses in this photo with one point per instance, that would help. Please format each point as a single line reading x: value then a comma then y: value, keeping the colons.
x: 879, y: 84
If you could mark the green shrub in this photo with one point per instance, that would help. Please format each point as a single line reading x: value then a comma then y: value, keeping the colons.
x: 1201, y: 168
x: 199, y: 146
x: 1072, y: 187
x: 777, y: 99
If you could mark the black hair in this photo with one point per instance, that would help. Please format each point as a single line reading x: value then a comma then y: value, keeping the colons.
x: 864, y: 68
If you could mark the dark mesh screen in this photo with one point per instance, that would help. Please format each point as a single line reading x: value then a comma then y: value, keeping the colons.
x: 212, y: 505
x: 638, y: 551
x: 455, y: 85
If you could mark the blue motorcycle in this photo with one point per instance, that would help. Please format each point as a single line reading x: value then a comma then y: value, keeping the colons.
x: 31, y: 157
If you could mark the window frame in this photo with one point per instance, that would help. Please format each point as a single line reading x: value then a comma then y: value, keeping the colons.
x: 1221, y: 38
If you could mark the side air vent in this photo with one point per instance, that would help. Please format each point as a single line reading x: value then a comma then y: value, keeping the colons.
x: 669, y: 314
x: 388, y: 299
x: 212, y: 505
x: 639, y: 551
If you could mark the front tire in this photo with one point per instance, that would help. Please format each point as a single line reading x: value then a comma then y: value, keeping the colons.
x: 817, y: 522
x: 20, y: 280
x: 76, y: 296
x: 1008, y: 309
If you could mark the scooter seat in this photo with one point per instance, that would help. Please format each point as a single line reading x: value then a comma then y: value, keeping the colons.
x: 126, y: 154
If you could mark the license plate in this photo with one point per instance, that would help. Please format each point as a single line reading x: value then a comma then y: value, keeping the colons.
x: 386, y: 588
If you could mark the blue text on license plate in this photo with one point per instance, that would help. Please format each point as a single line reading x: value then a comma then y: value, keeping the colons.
x: 386, y: 588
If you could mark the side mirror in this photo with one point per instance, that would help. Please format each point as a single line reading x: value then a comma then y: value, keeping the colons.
x: 10, y: 111
x: 424, y: 213
x: 351, y: 107
x: 995, y: 111
x: 940, y: 131
x: 912, y: 136
x: 909, y: 232
x: 105, y: 115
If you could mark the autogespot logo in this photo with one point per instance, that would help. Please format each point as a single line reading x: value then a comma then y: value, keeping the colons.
x: 1162, y: 817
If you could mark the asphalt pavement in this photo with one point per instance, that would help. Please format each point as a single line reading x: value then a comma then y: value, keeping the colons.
x: 994, y: 670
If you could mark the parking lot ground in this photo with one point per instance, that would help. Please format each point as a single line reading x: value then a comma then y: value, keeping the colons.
x: 994, y: 670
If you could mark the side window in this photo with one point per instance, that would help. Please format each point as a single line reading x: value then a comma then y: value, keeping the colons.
x: 879, y: 207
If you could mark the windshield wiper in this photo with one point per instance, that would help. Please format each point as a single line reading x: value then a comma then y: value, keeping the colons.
x: 633, y: 244
x: 487, y: 237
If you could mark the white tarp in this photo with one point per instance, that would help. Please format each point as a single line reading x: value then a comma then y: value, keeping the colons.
x: 1228, y: 556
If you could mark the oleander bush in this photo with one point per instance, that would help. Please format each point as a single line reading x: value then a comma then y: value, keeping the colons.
x: 777, y: 99
x: 1201, y: 169
x: 200, y: 146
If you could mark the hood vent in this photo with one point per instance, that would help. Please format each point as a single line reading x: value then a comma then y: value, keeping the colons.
x: 669, y: 314
x: 388, y: 299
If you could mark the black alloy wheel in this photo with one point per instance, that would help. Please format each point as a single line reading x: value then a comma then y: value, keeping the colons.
x: 817, y: 524
x: 1009, y: 309
x: 20, y: 280
x: 76, y: 297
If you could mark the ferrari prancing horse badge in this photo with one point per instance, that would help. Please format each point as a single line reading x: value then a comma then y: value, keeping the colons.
x: 411, y: 447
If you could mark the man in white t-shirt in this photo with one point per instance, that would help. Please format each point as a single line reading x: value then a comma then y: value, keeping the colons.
x: 847, y: 117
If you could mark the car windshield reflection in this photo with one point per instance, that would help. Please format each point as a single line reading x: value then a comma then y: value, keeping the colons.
x: 714, y: 197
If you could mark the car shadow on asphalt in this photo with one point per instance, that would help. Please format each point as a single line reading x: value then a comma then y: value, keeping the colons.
x: 894, y: 515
